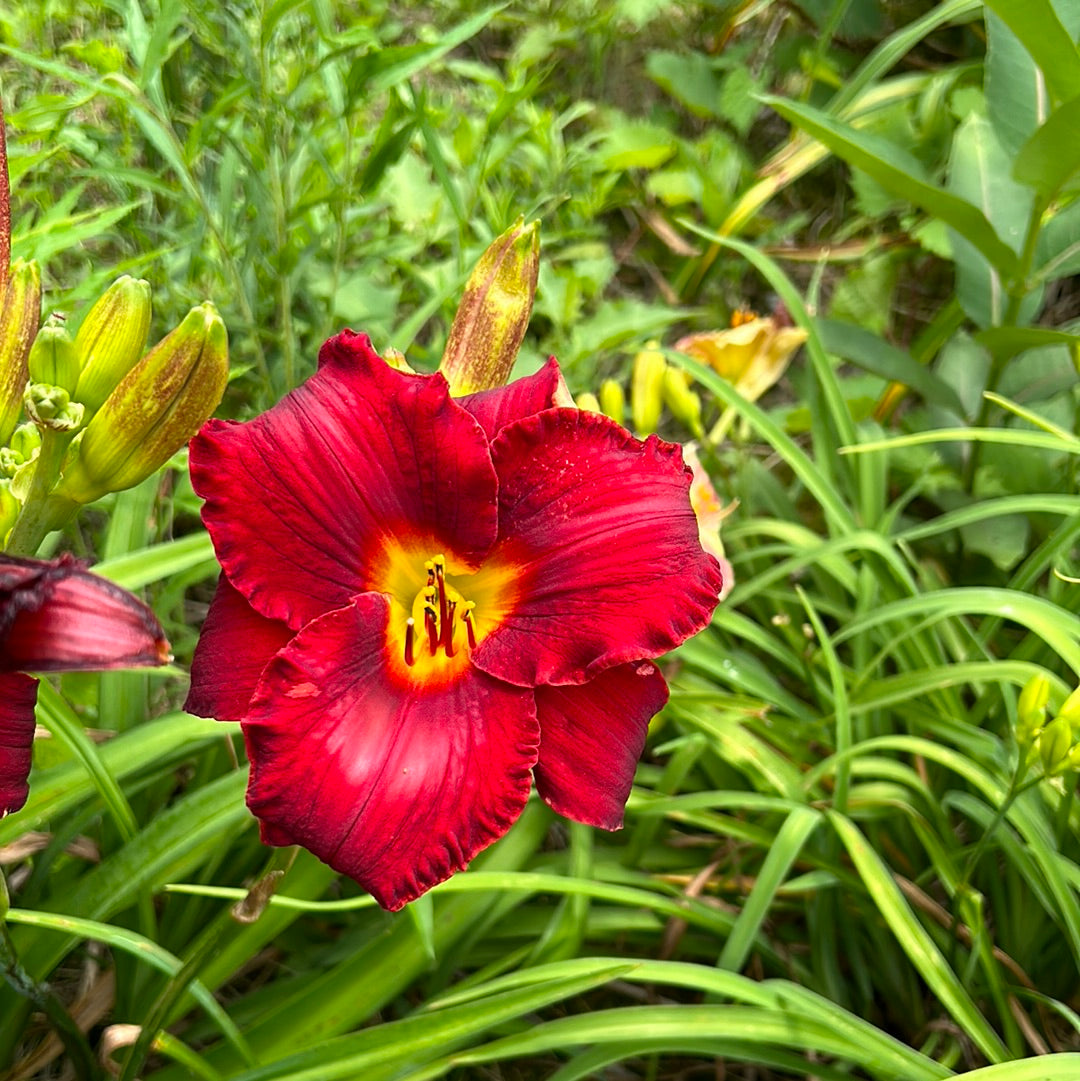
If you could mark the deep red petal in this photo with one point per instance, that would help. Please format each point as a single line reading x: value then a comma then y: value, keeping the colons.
x: 601, y: 526
x: 496, y: 408
x: 18, y: 693
x: 301, y: 501
x: 591, y: 737
x: 396, y: 786
x: 235, y: 645
x: 55, y: 616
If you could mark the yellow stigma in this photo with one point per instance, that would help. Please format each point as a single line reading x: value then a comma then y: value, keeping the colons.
x: 440, y: 610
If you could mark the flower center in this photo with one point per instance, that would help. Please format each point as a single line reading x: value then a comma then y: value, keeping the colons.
x: 441, y: 606
x: 440, y: 619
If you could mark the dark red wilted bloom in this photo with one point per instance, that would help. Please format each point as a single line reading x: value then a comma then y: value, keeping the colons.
x: 55, y: 616
x: 427, y: 601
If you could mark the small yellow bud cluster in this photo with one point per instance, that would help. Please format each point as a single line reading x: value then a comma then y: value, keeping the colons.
x: 654, y: 384
x: 1053, y: 742
x: 751, y: 354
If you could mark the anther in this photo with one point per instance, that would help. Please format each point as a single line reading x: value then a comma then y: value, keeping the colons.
x: 410, y: 627
x: 467, y: 617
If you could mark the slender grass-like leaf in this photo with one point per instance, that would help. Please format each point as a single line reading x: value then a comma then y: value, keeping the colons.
x: 153, y: 745
x: 917, y: 944
x: 785, y: 850
x: 138, y: 946
x: 66, y: 729
x: 159, y: 561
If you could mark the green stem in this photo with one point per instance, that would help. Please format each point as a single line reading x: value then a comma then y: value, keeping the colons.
x: 42, y: 512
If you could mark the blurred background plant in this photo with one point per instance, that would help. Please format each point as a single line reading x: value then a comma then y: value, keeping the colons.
x: 853, y: 846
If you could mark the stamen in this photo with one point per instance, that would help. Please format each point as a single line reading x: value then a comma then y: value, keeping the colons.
x: 448, y: 629
x: 439, y: 566
x: 467, y: 617
x: 432, y: 628
x: 410, y: 627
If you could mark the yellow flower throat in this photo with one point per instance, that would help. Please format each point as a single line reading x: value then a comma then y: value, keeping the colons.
x: 441, y: 618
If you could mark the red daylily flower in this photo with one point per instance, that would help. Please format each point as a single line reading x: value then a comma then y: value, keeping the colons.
x: 55, y: 616
x: 426, y: 599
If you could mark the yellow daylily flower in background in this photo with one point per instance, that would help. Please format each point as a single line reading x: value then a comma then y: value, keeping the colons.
x: 752, y: 354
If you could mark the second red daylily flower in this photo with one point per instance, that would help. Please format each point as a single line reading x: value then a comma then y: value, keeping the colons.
x: 425, y: 601
x: 55, y: 616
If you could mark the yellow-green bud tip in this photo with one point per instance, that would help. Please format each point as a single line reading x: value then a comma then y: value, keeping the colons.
x: 493, y: 315
x: 111, y: 338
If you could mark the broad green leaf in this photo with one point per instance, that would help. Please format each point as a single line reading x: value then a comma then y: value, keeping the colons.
x: 979, y: 174
x: 1008, y: 341
x: 1051, y: 157
x: 1036, y: 24
x: 875, y: 355
x: 1016, y: 99
x: 895, y: 169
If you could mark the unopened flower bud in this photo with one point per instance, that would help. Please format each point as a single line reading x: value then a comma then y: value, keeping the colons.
x: 613, y: 400
x: 25, y: 440
x: 1031, y: 709
x: 685, y: 405
x: 53, y: 358
x: 20, y: 313
x: 9, y: 510
x: 494, y: 312
x: 588, y: 401
x: 51, y: 407
x: 111, y: 339
x: 154, y: 410
x: 1054, y: 744
x: 647, y: 389
x: 1070, y: 708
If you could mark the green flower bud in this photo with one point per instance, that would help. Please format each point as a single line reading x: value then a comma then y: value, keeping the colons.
x: 613, y: 400
x: 1054, y: 744
x: 494, y: 312
x: 646, y: 390
x: 9, y: 510
x: 51, y: 407
x: 1070, y: 708
x: 1031, y: 709
x: 20, y: 313
x: 111, y: 339
x: 53, y: 358
x: 25, y: 440
x: 154, y: 410
x: 684, y: 404
x: 588, y: 402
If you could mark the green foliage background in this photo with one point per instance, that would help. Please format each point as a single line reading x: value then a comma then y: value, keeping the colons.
x: 839, y: 862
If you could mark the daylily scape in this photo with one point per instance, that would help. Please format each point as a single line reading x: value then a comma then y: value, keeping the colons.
x: 428, y: 601
x: 55, y: 616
